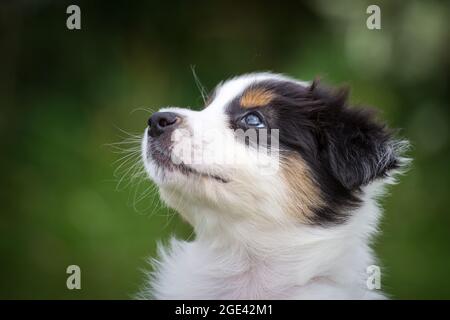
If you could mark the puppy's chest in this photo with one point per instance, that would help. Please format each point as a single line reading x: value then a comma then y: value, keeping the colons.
x: 239, y: 286
x: 189, y: 271
x: 219, y: 278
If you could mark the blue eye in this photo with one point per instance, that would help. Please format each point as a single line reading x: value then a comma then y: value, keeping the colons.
x: 253, y: 120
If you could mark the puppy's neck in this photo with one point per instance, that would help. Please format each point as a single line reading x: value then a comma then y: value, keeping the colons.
x: 236, y: 259
x: 231, y: 230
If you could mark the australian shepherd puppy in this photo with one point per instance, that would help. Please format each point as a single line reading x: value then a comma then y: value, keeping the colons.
x: 279, y: 179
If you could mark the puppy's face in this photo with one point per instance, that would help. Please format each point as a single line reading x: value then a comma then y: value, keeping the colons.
x: 267, y: 147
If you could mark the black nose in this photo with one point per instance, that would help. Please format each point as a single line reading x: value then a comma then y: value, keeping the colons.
x: 160, y: 122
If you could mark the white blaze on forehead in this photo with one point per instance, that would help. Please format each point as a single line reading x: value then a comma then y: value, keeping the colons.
x: 234, y: 87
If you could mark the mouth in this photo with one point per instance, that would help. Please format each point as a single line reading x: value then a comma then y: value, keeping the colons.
x: 162, y: 159
x: 187, y: 170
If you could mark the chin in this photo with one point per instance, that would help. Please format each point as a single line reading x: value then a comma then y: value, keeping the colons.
x: 280, y: 180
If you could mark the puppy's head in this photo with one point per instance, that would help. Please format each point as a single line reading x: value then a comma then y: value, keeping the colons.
x: 268, y: 147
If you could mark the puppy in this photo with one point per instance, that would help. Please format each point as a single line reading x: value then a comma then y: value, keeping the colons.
x: 279, y: 179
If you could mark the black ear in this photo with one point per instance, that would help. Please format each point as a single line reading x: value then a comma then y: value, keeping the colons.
x: 357, y: 148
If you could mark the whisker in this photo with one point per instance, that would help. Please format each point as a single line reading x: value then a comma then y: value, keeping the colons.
x: 146, y: 109
x: 199, y: 85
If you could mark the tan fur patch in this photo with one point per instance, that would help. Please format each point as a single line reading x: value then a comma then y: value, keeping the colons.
x: 256, y: 98
x: 303, y: 194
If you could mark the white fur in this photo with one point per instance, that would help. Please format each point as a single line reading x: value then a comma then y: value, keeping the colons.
x: 246, y: 246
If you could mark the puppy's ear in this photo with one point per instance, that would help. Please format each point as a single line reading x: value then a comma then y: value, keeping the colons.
x: 357, y: 148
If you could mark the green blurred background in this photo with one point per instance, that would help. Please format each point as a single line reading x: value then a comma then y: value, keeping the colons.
x: 65, y: 95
